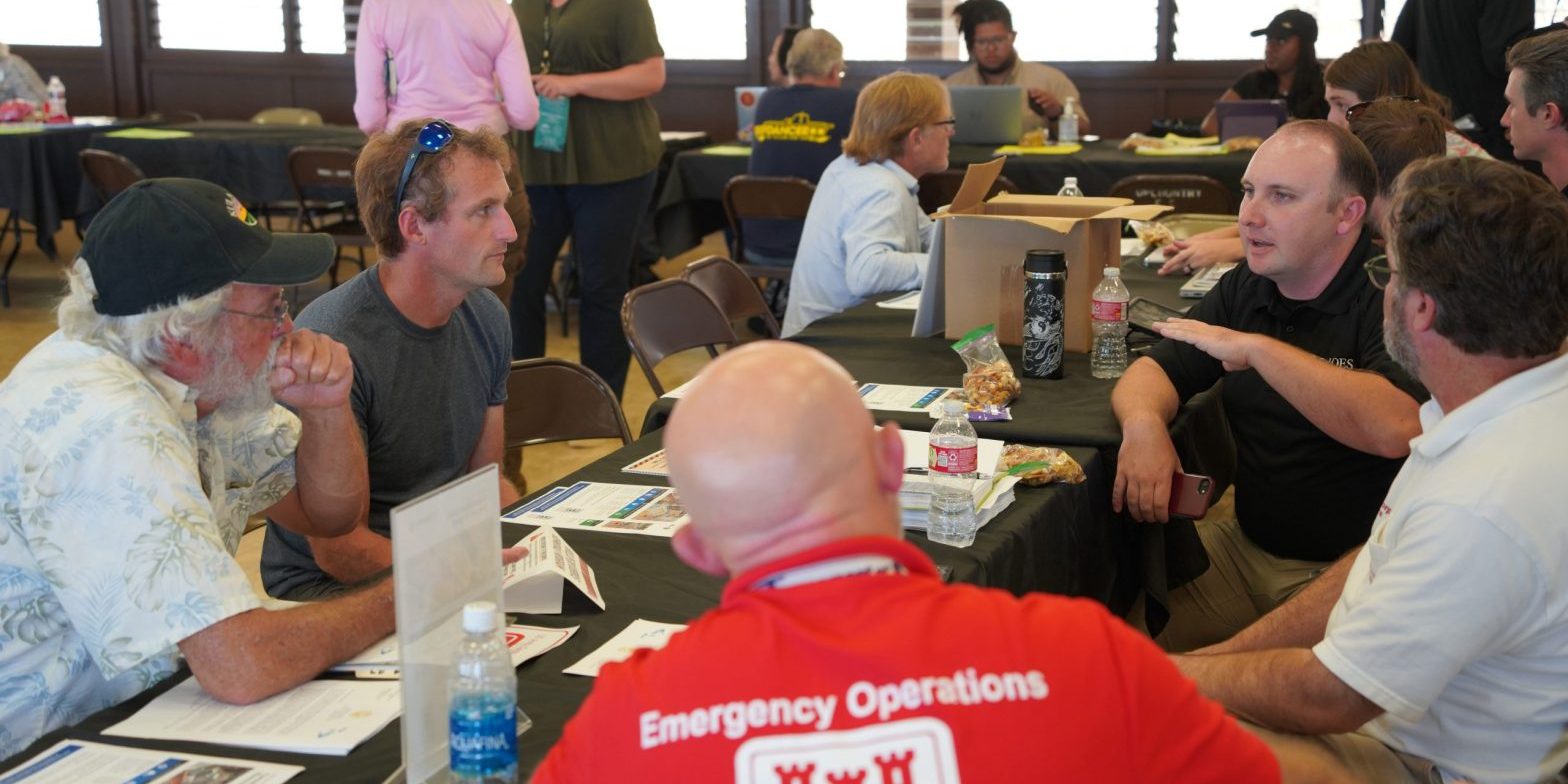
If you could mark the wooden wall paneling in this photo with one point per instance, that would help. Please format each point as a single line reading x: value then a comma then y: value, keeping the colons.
x: 81, y: 68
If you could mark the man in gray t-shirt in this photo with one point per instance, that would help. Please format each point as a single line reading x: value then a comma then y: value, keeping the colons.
x: 431, y: 344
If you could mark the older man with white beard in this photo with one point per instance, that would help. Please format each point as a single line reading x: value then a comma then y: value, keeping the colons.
x: 134, y: 444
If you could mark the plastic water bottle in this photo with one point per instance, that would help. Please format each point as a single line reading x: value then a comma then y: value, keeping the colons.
x: 1069, y: 187
x: 483, y: 712
x: 54, y: 101
x: 1067, y: 124
x: 951, y: 468
x: 1108, y: 357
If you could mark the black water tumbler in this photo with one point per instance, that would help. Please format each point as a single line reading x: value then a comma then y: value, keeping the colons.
x: 1045, y: 296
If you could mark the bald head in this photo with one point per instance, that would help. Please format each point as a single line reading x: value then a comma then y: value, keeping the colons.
x: 773, y: 452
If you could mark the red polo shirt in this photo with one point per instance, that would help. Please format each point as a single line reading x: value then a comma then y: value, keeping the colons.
x: 884, y: 675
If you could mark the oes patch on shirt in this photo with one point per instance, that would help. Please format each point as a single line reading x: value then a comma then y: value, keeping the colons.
x: 911, y: 751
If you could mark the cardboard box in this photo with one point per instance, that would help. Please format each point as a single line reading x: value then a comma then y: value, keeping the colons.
x: 985, y: 241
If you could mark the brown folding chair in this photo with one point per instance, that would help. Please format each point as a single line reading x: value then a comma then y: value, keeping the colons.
x: 108, y: 172
x: 1184, y: 192
x: 286, y: 115
x: 669, y: 317
x: 549, y: 400
x: 937, y: 189
x: 752, y: 197
x: 323, y: 180
x: 728, y: 286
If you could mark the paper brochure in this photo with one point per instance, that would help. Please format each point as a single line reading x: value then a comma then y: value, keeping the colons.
x: 636, y: 636
x: 537, y: 583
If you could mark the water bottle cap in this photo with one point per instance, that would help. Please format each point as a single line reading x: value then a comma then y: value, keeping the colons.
x: 1045, y: 261
x: 1112, y: 272
x: 479, y: 617
x: 1070, y: 182
x: 952, y: 408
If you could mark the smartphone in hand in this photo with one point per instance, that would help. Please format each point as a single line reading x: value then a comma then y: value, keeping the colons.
x: 1191, y: 495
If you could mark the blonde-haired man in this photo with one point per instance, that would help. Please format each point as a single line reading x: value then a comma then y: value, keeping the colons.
x: 865, y: 233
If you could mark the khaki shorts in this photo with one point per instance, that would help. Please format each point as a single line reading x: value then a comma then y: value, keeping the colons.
x: 1243, y: 583
x: 1364, y: 757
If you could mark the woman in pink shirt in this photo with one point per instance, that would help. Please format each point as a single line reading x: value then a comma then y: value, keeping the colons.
x: 459, y: 60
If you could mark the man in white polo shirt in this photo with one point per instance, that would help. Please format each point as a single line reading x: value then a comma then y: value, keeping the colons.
x: 1439, y: 650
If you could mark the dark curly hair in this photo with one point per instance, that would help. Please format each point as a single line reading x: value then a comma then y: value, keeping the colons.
x: 973, y: 13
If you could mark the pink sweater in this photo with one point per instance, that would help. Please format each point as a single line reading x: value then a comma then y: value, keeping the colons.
x: 451, y: 57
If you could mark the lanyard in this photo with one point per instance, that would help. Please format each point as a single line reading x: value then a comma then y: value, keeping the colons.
x: 549, y: 34
x: 820, y: 571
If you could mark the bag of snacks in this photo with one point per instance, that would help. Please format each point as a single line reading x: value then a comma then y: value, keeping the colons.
x: 989, y: 383
x: 1046, y: 464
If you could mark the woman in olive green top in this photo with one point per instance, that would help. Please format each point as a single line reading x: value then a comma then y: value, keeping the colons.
x: 604, y: 57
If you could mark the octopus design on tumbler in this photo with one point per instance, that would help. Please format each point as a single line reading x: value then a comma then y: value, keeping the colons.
x: 1043, y: 324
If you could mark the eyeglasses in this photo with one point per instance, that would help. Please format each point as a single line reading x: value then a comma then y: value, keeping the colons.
x: 1356, y: 109
x: 432, y: 138
x: 994, y: 42
x: 1378, y: 271
x: 951, y: 122
x: 280, y: 311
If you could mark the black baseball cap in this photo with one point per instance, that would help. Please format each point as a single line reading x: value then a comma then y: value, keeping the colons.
x: 1289, y: 23
x: 162, y: 239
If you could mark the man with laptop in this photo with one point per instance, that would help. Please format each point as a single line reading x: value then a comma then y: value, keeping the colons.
x: 987, y: 28
x: 1321, y: 415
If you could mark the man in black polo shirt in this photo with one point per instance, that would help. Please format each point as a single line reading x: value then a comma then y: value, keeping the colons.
x: 1322, y: 417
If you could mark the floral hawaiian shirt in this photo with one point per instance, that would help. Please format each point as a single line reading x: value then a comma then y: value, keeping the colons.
x: 120, y: 513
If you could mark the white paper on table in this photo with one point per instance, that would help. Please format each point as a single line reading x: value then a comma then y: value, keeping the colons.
x: 906, y: 301
x: 637, y: 635
x: 898, y: 397
x: 85, y: 762
x: 597, y: 506
x: 315, y: 717
x: 522, y: 642
x: 537, y: 582
x: 917, y: 448
x: 1132, y: 246
x: 992, y: 497
x: 681, y: 391
x: 655, y: 464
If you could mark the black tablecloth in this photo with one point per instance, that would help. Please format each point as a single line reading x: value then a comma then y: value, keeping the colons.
x: 249, y: 160
x: 1051, y: 538
x: 40, y: 177
x: 688, y: 207
x: 873, y: 344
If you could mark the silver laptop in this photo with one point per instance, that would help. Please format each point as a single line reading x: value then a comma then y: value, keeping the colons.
x: 987, y: 115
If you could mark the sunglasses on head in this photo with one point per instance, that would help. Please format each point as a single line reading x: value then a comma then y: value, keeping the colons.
x: 1356, y: 109
x: 432, y: 138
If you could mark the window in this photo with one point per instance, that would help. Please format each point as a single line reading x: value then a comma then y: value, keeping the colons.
x: 321, y: 27
x: 701, y: 29
x: 66, y: 23
x: 1107, y: 30
x: 1221, y: 29
x: 232, y: 25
